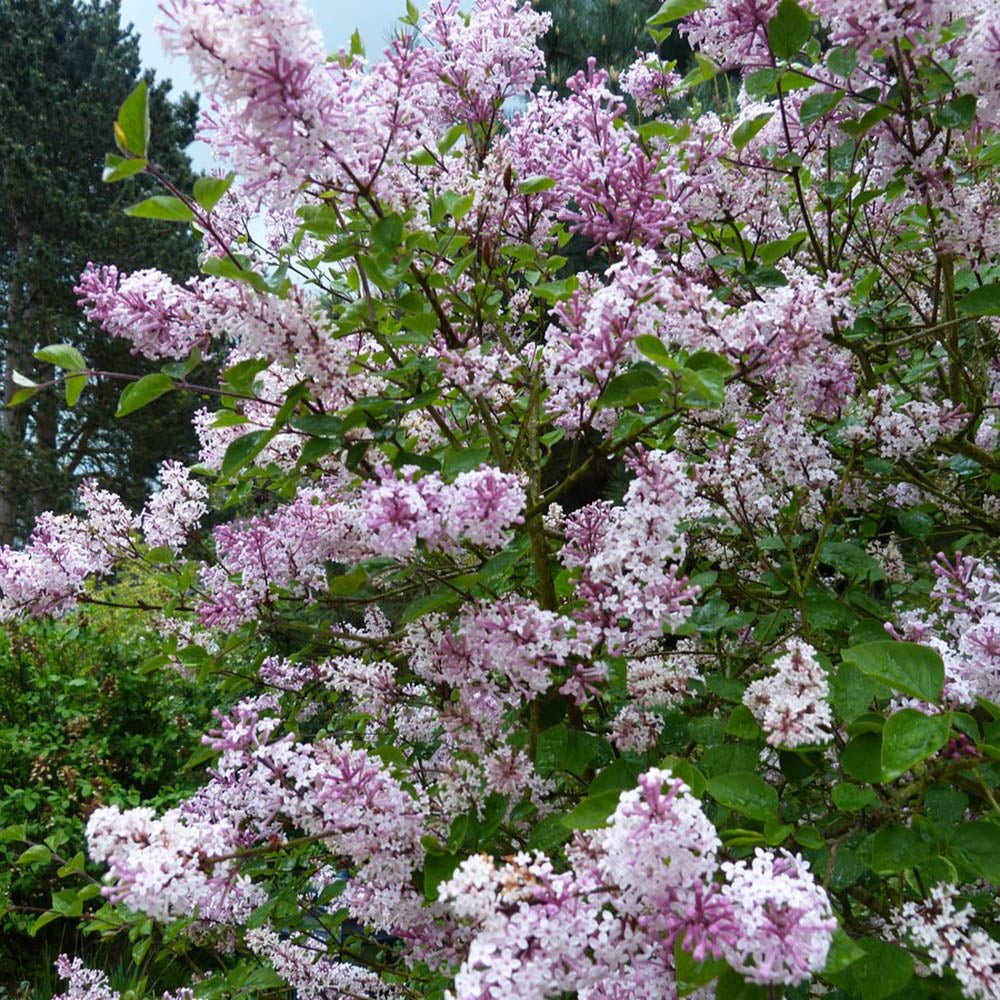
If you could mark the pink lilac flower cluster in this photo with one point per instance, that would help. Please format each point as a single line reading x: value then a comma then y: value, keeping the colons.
x: 648, y: 83
x: 791, y: 704
x: 732, y: 33
x: 479, y: 507
x: 314, y: 977
x: 963, y: 626
x: 171, y: 515
x: 637, y: 885
x: 186, y: 862
x: 629, y: 557
x: 607, y: 187
x: 63, y: 552
x: 952, y: 942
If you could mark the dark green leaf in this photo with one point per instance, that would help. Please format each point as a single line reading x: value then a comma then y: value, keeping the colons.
x: 905, y: 666
x: 746, y: 794
x: 387, y: 233
x: 959, y: 113
x: 983, y: 301
x: 896, y: 848
x: 640, y: 384
x: 438, y: 868
x: 842, y: 61
x: 243, y: 450
x: 691, y: 974
x: 909, y: 737
x: 851, y: 692
x: 852, y: 798
x: 241, y: 377
x: 654, y: 349
x: 862, y: 758
x: 161, y: 206
x: 139, y: 394
x: 593, y: 811
x: 851, y: 560
x: 762, y: 82
x: 882, y: 971
x: 788, y: 30
x: 977, y: 846
x: 732, y: 986
x: 843, y: 952
x: 688, y: 773
x: 815, y: 106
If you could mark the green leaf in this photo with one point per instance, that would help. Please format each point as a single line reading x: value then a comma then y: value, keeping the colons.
x: 853, y: 798
x: 535, y: 185
x: 674, y: 10
x: 161, y: 206
x: 977, y: 847
x: 745, y: 131
x: 842, y: 61
x: 243, y: 450
x: 119, y: 168
x: 593, y: 811
x: 209, y: 191
x: 687, y: 772
x: 788, y: 30
x: 909, y: 737
x: 882, y: 971
x: 815, y: 106
x: 768, y: 253
x: 703, y: 388
x: 241, y: 376
x: 640, y: 384
x: 851, y: 560
x: 692, y: 974
x: 904, y: 666
x: 132, y: 126
x: 10, y: 834
x: 861, y: 758
x: 62, y: 356
x: 654, y: 349
x: 556, y: 291
x: 387, y: 233
x: 74, y: 385
x: 21, y: 396
x: 762, y: 82
x: 896, y: 848
x: 959, y: 113
x: 438, y: 868
x: 983, y: 301
x: 45, y: 918
x: 732, y: 986
x: 851, y: 692
x: 746, y: 794
x: 139, y: 394
x: 36, y: 854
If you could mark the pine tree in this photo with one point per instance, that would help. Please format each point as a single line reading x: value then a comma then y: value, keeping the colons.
x: 613, y: 31
x: 66, y: 66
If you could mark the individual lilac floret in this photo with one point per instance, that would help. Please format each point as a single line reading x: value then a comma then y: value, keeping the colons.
x: 785, y: 923
x: 791, y: 704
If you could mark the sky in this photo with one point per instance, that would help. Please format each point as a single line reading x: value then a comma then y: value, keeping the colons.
x: 338, y: 19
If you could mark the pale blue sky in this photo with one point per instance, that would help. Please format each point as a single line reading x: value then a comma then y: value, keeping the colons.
x: 375, y: 19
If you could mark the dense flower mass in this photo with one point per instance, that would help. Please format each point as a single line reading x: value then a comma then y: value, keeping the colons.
x: 593, y: 537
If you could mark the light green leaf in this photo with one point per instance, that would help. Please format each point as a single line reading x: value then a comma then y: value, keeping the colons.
x: 674, y: 10
x: 63, y: 356
x: 983, y: 301
x: 209, y: 191
x: 161, y: 206
x: 132, y: 126
x: 745, y: 131
x: 119, y: 168
x: 593, y: 811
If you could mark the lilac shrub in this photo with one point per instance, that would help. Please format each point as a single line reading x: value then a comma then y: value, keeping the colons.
x: 629, y: 631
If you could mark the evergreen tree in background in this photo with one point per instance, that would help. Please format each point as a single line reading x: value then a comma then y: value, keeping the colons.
x: 613, y: 31
x: 66, y: 67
